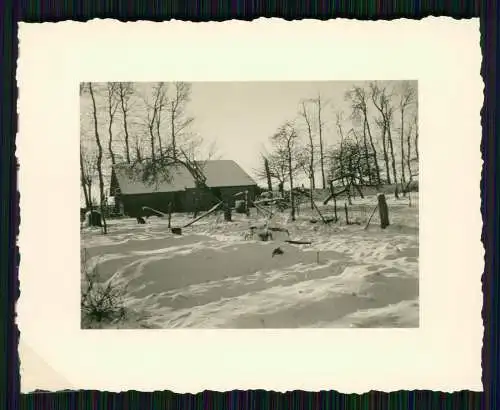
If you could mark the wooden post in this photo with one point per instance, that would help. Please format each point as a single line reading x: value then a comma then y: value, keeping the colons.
x: 247, y: 207
x: 346, y: 213
x: 169, y: 214
x: 383, y: 211
x: 227, y: 212
x: 210, y: 211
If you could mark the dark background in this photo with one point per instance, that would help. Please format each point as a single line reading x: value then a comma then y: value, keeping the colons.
x: 52, y: 11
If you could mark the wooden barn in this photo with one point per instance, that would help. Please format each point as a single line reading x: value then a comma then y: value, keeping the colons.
x: 225, y: 177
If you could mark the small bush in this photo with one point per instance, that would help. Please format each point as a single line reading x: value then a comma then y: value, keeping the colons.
x: 101, y: 302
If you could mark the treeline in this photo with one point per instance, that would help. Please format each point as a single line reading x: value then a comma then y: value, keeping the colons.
x: 134, y: 123
x: 376, y: 141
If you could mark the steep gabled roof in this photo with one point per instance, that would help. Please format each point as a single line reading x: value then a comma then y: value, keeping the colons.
x: 219, y: 173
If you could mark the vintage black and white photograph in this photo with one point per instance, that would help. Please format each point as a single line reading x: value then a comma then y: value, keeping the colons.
x: 249, y: 205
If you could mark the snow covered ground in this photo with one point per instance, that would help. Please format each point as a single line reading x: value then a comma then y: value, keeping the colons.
x: 212, y: 277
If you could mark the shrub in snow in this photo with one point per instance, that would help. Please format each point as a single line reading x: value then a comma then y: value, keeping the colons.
x: 100, y: 301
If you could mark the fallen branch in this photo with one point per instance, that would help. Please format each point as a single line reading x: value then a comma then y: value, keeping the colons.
x: 298, y: 242
x: 210, y: 211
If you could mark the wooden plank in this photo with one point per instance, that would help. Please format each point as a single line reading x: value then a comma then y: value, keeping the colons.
x: 210, y: 211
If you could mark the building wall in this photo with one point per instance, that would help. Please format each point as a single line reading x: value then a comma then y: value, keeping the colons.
x: 183, y: 201
x: 132, y: 204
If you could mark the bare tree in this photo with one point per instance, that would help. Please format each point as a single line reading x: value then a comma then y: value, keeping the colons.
x: 99, y: 157
x: 176, y: 108
x: 286, y: 141
x: 213, y: 151
x: 359, y: 106
x: 406, y: 99
x: 340, y: 157
x: 389, y: 111
x: 155, y: 168
x: 409, y: 134
x: 415, y: 122
x: 111, y: 106
x: 267, y: 170
x: 311, y: 145
x: 83, y: 180
x: 138, y: 150
x: 307, y: 158
x: 321, y: 144
x: 153, y: 117
x: 380, y: 99
x: 275, y: 165
x: 83, y: 174
x: 347, y: 164
x: 88, y: 168
x: 125, y: 92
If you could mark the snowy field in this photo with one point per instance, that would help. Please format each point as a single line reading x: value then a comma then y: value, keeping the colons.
x: 214, y: 277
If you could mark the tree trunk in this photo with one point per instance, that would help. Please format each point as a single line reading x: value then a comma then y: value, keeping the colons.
x: 152, y: 141
x: 321, y: 147
x: 386, y: 156
x: 268, y: 174
x: 111, y: 113
x: 311, y: 193
x: 125, y: 125
x: 110, y: 141
x: 393, y: 158
x: 341, y: 153
x: 376, y: 93
x: 83, y: 179
x: 332, y: 189
x: 311, y: 146
x: 290, y: 176
x: 416, y: 137
x: 99, y: 159
x: 403, y: 174
x: 160, y: 147
x: 408, y: 156
x: 89, y: 190
x: 346, y: 214
x: 372, y: 145
x: 367, y: 155
x: 172, y: 126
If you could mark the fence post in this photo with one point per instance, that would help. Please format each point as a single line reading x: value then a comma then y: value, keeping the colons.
x: 383, y: 211
x: 346, y: 213
x: 169, y: 214
x: 332, y: 189
x: 227, y: 212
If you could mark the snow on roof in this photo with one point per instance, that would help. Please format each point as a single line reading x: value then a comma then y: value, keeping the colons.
x: 219, y: 173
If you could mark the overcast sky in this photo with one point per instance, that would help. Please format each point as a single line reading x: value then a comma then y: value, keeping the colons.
x: 242, y: 116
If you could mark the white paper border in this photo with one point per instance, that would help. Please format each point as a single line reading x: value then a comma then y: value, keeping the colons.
x: 442, y: 53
